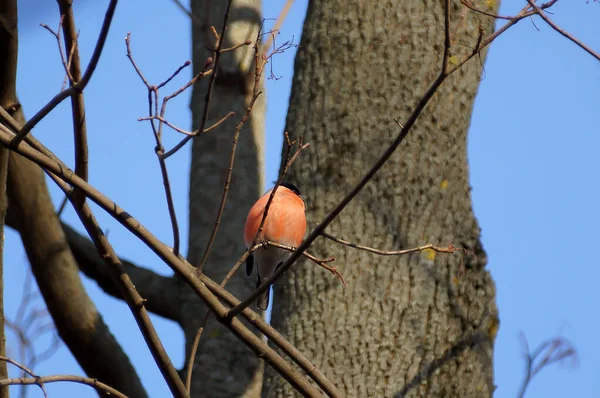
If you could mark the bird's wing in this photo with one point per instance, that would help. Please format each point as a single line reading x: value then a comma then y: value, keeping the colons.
x: 249, y: 264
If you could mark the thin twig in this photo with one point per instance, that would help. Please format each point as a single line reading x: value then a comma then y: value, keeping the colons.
x: 177, y: 71
x: 280, y: 19
x: 63, y: 57
x: 447, y: 38
x: 62, y: 206
x: 217, y: 123
x: 211, y: 84
x: 76, y: 88
x: 260, y: 63
x: 55, y: 167
x: 98, y: 385
x: 25, y: 370
x: 444, y: 73
x: 128, y: 292
x: 236, y: 46
x: 205, y: 72
x: 259, y: 66
x: 159, y: 149
x: 274, y: 337
x: 470, y: 5
x: 227, y: 182
x: 188, y: 12
x: 539, y: 11
x: 319, y: 261
x: 549, y: 352
x: 448, y: 249
x: 288, y: 163
x: 196, y: 342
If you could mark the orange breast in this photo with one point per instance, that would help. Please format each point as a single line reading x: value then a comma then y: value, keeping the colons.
x: 285, y: 222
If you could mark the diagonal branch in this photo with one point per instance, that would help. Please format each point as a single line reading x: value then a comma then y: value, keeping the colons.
x: 404, y: 131
x: 556, y: 350
x: 274, y: 337
x: 157, y: 290
x: 539, y: 11
x: 76, y: 318
x: 128, y: 291
x: 183, y: 268
x: 79, y: 86
x: 78, y: 322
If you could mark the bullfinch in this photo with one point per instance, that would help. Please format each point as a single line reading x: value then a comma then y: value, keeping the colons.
x: 285, y: 224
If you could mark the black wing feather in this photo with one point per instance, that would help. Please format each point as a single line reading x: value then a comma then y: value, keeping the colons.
x: 249, y: 265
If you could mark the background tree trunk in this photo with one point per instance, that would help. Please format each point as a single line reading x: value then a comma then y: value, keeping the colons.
x: 401, y: 319
x: 224, y: 366
x: 9, y: 43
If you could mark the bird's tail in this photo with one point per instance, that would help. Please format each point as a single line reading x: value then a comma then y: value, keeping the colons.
x: 262, y: 301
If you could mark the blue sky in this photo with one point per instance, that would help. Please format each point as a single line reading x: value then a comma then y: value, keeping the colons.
x: 532, y: 151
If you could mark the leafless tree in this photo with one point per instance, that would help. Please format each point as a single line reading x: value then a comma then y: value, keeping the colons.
x: 414, y: 311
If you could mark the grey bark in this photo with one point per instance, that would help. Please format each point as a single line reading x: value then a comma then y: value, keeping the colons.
x: 409, y: 325
x: 224, y: 366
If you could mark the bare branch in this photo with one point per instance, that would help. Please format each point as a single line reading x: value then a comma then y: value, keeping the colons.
x: 25, y: 370
x: 280, y: 19
x: 448, y: 249
x: 76, y: 88
x: 151, y: 286
x: 259, y: 65
x: 41, y: 380
x: 188, y: 12
x: 183, y: 268
x: 539, y: 11
x: 288, y: 163
x: 63, y: 57
x: 128, y: 291
x: 211, y: 84
x: 289, y: 349
x: 558, y: 350
x: 319, y: 261
x: 444, y: 73
x: 77, y: 321
x: 159, y: 149
x: 177, y: 71
x: 468, y: 4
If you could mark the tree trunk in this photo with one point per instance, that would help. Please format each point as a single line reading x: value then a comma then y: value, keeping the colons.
x: 407, y: 325
x: 224, y: 367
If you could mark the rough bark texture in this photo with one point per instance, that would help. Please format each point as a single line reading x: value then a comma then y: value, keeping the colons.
x: 224, y: 366
x: 9, y: 45
x: 407, y: 325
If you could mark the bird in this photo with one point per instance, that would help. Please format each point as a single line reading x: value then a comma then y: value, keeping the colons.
x: 285, y: 224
